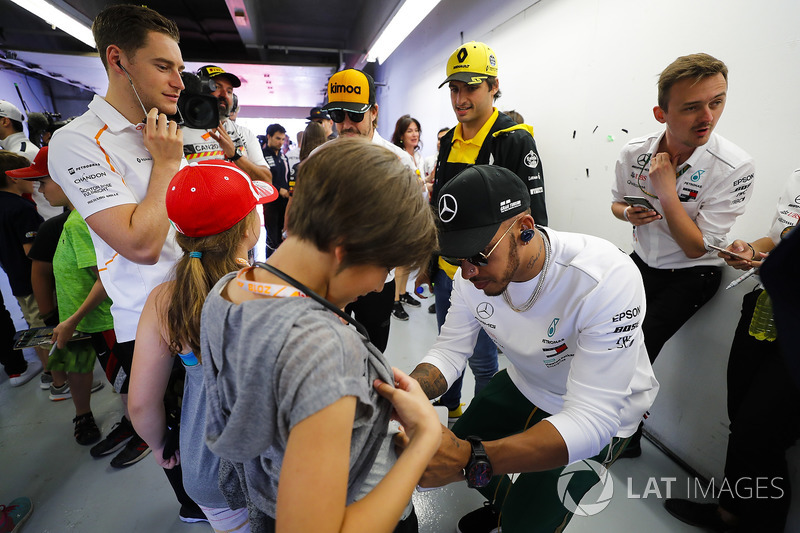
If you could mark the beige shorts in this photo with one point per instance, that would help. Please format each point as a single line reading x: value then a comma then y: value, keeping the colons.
x: 30, y: 310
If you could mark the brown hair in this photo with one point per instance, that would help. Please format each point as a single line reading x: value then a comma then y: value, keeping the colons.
x: 313, y: 136
x: 10, y: 161
x: 127, y: 26
x: 694, y: 66
x: 358, y: 195
x: 491, y: 81
x: 194, y: 278
x: 400, y: 128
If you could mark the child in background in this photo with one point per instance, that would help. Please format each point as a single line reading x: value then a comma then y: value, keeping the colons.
x: 212, y: 206
x: 298, y: 401
x: 82, y: 305
x: 19, y: 224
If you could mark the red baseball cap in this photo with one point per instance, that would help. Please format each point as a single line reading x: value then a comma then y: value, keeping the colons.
x: 37, y: 170
x: 210, y: 197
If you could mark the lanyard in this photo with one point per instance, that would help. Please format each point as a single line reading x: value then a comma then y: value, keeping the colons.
x: 275, y: 290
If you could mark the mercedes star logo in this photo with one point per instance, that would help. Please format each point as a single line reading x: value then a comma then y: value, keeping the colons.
x: 448, y: 207
x: 484, y: 310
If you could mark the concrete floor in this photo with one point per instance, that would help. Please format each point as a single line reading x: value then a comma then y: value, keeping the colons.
x: 72, y: 492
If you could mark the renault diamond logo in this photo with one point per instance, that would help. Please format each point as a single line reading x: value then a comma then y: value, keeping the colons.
x: 448, y: 207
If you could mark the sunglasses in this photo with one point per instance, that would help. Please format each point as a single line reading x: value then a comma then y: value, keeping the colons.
x: 338, y: 115
x: 479, y: 259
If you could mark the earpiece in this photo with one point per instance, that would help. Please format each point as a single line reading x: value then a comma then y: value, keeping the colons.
x: 526, y: 235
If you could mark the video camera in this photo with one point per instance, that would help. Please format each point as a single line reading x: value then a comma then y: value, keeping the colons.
x: 197, y: 109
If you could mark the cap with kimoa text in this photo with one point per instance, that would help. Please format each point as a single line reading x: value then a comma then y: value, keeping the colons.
x: 471, y: 63
x: 351, y: 90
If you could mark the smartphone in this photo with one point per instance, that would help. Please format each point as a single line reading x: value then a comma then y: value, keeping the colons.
x: 633, y: 201
x: 732, y: 255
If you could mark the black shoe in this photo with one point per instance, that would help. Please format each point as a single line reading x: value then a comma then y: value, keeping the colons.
x: 483, y: 520
x: 86, y: 430
x: 398, y: 312
x: 432, y: 309
x: 132, y: 453
x: 191, y: 515
x: 409, y: 300
x: 116, y: 439
x: 703, y: 515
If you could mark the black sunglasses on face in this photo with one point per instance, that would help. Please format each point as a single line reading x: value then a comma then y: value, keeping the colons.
x: 338, y: 115
x: 479, y: 259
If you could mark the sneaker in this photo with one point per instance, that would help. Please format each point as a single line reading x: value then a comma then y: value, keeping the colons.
x: 698, y: 514
x: 58, y: 394
x: 86, y: 430
x: 116, y: 439
x: 14, y: 514
x: 191, y: 515
x: 483, y: 520
x: 409, y: 300
x: 432, y: 309
x: 46, y: 379
x: 97, y: 385
x: 133, y: 452
x: 452, y: 414
x: 34, y: 367
x: 398, y: 312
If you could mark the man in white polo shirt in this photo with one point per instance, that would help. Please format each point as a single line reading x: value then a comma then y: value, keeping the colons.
x: 114, y: 163
x: 351, y: 105
x: 697, y: 183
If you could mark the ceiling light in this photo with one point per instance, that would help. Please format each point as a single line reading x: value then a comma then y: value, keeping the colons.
x: 402, y: 24
x: 59, y: 19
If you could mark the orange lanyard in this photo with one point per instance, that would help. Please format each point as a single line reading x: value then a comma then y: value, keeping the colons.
x: 275, y: 290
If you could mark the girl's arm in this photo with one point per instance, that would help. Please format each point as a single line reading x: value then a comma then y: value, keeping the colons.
x: 62, y: 333
x: 318, y: 457
x: 152, y: 364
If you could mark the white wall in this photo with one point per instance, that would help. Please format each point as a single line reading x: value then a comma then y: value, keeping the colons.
x: 573, y: 65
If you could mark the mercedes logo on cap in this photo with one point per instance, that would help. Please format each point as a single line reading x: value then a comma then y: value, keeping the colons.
x: 448, y: 207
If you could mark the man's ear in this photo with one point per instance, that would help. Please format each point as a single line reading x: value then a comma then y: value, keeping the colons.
x: 658, y: 113
x: 113, y: 58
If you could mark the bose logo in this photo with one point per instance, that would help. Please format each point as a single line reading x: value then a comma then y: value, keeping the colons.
x: 340, y: 88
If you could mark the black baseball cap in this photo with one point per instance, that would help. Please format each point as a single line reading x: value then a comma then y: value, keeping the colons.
x: 213, y: 71
x: 318, y: 112
x: 474, y: 204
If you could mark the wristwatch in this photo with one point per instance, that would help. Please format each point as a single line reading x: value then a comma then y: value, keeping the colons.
x: 478, y: 471
x: 236, y: 155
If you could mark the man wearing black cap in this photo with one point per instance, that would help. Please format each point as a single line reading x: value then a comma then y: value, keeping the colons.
x: 230, y: 140
x: 482, y: 136
x: 565, y: 309
x: 322, y: 118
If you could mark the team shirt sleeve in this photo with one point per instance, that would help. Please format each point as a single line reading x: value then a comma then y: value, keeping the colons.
x: 721, y: 209
x: 788, y: 211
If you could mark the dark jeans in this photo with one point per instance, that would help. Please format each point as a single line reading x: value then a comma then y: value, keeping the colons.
x: 482, y: 362
x: 274, y: 213
x: 673, y: 296
x: 374, y: 312
x: 12, y: 360
x: 765, y: 422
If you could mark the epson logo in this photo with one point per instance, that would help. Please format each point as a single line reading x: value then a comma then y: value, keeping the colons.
x: 341, y: 88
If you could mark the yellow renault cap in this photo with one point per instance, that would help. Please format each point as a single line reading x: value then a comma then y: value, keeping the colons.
x: 471, y: 63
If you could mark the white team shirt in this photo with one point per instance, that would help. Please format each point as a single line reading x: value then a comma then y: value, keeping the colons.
x: 100, y: 161
x: 788, y: 213
x: 293, y: 156
x: 714, y: 185
x: 199, y: 145
x: 578, y: 353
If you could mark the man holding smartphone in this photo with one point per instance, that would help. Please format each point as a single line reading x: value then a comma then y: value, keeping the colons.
x: 698, y: 184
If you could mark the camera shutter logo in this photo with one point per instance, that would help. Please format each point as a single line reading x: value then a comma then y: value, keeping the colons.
x: 448, y: 207
x: 588, y: 508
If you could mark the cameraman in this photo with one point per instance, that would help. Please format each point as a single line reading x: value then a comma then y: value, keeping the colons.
x: 229, y: 140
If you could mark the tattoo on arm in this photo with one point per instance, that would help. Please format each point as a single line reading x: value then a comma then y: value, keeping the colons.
x: 430, y: 379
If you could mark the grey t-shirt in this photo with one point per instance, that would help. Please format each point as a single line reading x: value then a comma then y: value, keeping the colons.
x: 269, y: 364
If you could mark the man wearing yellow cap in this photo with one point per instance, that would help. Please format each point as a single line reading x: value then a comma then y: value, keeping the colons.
x: 352, y: 106
x: 482, y: 136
